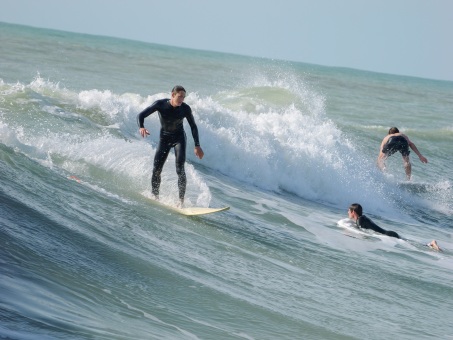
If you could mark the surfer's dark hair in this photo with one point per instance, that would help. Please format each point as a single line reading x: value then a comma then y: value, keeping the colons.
x: 177, y: 89
x: 357, y: 208
x: 393, y: 130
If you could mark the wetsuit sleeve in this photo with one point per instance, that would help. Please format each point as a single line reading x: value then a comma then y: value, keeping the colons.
x: 193, y: 126
x: 145, y: 113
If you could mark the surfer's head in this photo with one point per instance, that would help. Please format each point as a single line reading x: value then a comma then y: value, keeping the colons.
x: 178, y: 93
x: 177, y: 89
x: 393, y: 130
x: 356, y: 208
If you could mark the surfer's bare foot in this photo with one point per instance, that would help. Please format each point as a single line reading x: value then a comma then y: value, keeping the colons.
x: 181, y: 203
x: 156, y: 197
x: 433, y: 244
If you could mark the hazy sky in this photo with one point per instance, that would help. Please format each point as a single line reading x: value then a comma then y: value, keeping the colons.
x: 405, y: 37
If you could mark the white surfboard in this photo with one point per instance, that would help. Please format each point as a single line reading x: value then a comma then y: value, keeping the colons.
x: 195, y: 211
x: 191, y: 211
x: 421, y: 187
x: 351, y: 230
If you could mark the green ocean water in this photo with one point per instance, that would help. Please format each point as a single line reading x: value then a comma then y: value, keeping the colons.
x: 288, y: 146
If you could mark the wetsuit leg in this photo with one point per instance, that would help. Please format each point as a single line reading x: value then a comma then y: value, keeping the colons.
x: 160, y: 157
x: 180, y: 159
x: 392, y: 234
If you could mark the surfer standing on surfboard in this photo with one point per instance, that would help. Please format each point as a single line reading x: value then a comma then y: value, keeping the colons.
x: 355, y: 213
x: 396, y: 141
x: 172, y: 135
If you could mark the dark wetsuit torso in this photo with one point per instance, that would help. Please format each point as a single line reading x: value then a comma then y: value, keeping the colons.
x: 171, y: 135
x: 171, y: 118
x: 366, y: 223
x: 394, y: 144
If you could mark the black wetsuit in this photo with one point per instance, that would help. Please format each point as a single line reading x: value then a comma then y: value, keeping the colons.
x: 394, y: 144
x: 365, y: 223
x: 171, y: 135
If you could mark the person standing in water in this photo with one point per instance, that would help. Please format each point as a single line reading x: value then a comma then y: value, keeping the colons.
x: 396, y: 141
x: 355, y: 212
x: 172, y: 135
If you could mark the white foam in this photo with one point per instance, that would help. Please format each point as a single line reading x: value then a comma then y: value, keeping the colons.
x: 275, y: 135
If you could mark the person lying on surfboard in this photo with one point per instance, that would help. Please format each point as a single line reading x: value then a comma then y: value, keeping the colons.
x: 172, y: 135
x: 355, y: 212
x: 396, y: 141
